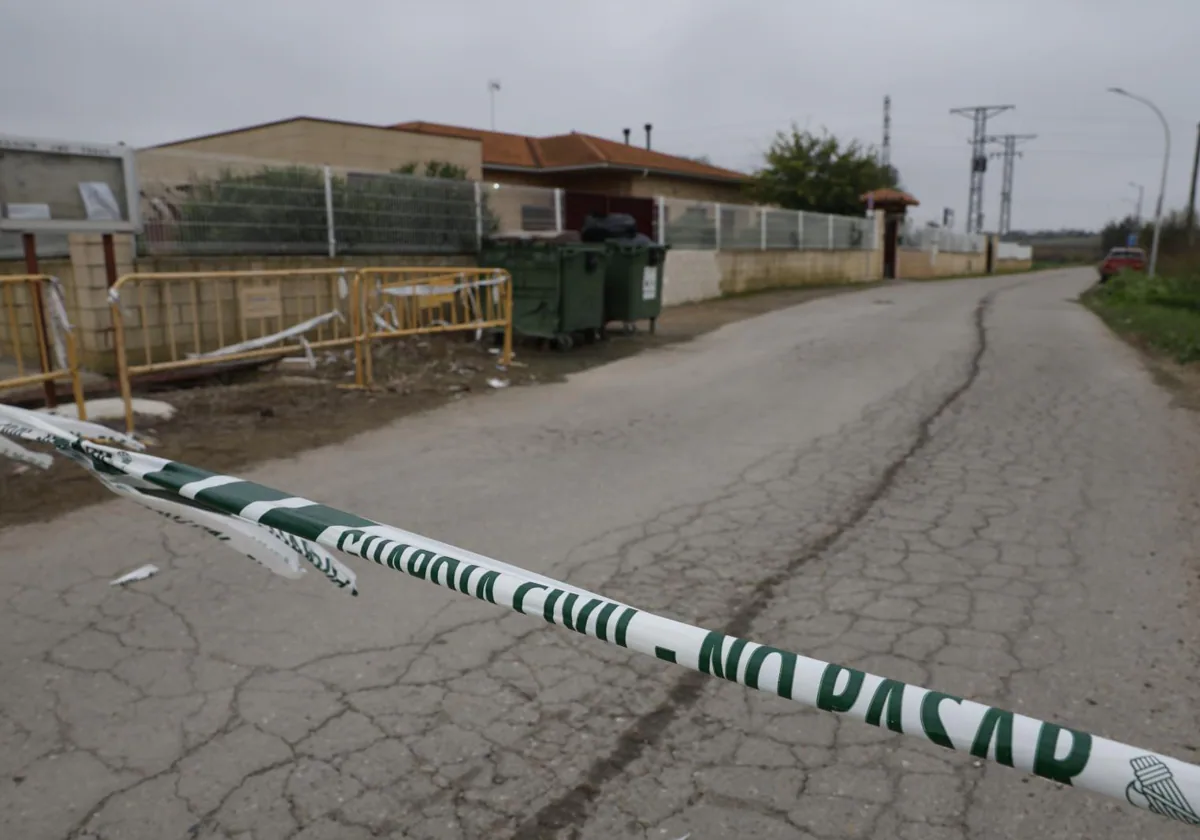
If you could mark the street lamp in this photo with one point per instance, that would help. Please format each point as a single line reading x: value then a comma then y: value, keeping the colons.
x: 493, y: 87
x: 1166, y: 160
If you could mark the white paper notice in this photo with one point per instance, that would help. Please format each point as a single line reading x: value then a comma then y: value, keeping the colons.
x: 649, y: 282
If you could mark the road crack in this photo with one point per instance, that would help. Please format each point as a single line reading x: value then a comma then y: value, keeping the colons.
x: 568, y: 811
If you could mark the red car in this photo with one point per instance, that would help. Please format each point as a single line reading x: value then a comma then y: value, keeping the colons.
x: 1122, y: 259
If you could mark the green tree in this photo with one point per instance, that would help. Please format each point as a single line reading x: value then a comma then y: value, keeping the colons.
x: 434, y: 169
x: 806, y: 171
x: 1173, y: 238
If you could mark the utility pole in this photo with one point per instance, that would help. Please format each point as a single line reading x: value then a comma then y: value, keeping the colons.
x: 979, y: 114
x: 1191, y: 211
x: 885, y: 151
x: 1010, y: 154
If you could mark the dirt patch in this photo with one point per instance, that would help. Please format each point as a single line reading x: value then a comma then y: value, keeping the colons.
x: 282, y: 411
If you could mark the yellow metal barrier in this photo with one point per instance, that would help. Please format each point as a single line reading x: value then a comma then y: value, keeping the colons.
x: 35, y: 320
x: 177, y: 320
x: 402, y: 302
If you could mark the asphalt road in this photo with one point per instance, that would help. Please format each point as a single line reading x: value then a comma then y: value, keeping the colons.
x: 971, y: 486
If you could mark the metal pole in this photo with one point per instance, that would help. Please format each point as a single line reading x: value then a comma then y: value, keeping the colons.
x: 558, y: 210
x: 330, y: 233
x: 1191, y: 211
x: 979, y: 116
x: 831, y: 233
x: 1137, y: 214
x: 29, y: 243
x: 1162, y: 187
x: 478, y: 215
x: 762, y: 228
x: 717, y: 240
x: 662, y: 220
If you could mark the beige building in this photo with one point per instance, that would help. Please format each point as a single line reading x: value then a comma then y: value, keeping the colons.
x: 593, y: 174
x: 313, y: 141
x: 586, y: 163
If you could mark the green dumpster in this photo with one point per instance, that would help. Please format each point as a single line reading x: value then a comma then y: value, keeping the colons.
x: 583, y: 283
x: 633, y: 283
x: 536, y: 278
x: 558, y: 288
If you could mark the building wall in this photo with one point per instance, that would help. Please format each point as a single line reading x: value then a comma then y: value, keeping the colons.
x: 655, y: 185
x: 316, y: 143
x: 619, y: 182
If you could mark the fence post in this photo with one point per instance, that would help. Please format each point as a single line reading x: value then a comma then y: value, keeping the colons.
x: 332, y: 235
x: 762, y: 228
x: 478, y: 216
x: 831, y: 233
x: 661, y: 217
x: 800, y: 230
x: 558, y: 210
x: 717, y: 240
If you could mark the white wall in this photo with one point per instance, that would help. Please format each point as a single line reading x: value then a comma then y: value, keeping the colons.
x: 690, y: 276
x: 1013, y: 251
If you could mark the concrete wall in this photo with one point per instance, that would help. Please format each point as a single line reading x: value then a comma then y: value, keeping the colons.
x: 1006, y: 266
x: 924, y: 265
x: 701, y: 275
x: 691, y: 276
x: 313, y: 142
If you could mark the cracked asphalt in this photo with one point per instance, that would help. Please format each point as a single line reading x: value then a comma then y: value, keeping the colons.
x: 971, y: 486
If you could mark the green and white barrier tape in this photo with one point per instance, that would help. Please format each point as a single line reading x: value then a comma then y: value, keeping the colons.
x: 281, y: 530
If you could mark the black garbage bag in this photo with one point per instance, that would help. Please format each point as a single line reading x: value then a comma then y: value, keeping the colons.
x: 609, y: 226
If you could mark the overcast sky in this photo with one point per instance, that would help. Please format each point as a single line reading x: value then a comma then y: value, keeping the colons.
x: 715, y: 77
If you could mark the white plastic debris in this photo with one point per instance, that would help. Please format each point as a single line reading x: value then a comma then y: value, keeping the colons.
x: 26, y: 458
x: 497, y: 383
x: 149, y: 570
x: 113, y: 408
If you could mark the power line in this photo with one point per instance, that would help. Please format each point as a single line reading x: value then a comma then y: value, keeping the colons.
x: 1010, y: 154
x: 979, y: 115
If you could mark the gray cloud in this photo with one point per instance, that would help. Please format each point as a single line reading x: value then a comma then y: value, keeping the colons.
x: 716, y: 77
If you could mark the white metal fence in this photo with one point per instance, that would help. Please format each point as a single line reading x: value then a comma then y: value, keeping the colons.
x: 917, y: 238
x: 711, y: 226
x: 203, y: 203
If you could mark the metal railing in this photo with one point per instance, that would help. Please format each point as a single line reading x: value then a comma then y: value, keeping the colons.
x: 927, y: 238
x: 217, y: 319
x: 705, y: 225
x: 403, y: 302
x: 219, y: 204
x: 195, y: 203
x: 34, y: 325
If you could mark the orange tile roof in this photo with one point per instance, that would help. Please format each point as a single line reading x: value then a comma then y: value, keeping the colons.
x: 572, y: 150
x: 887, y: 195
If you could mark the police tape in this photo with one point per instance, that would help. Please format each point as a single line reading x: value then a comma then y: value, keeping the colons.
x: 225, y: 504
